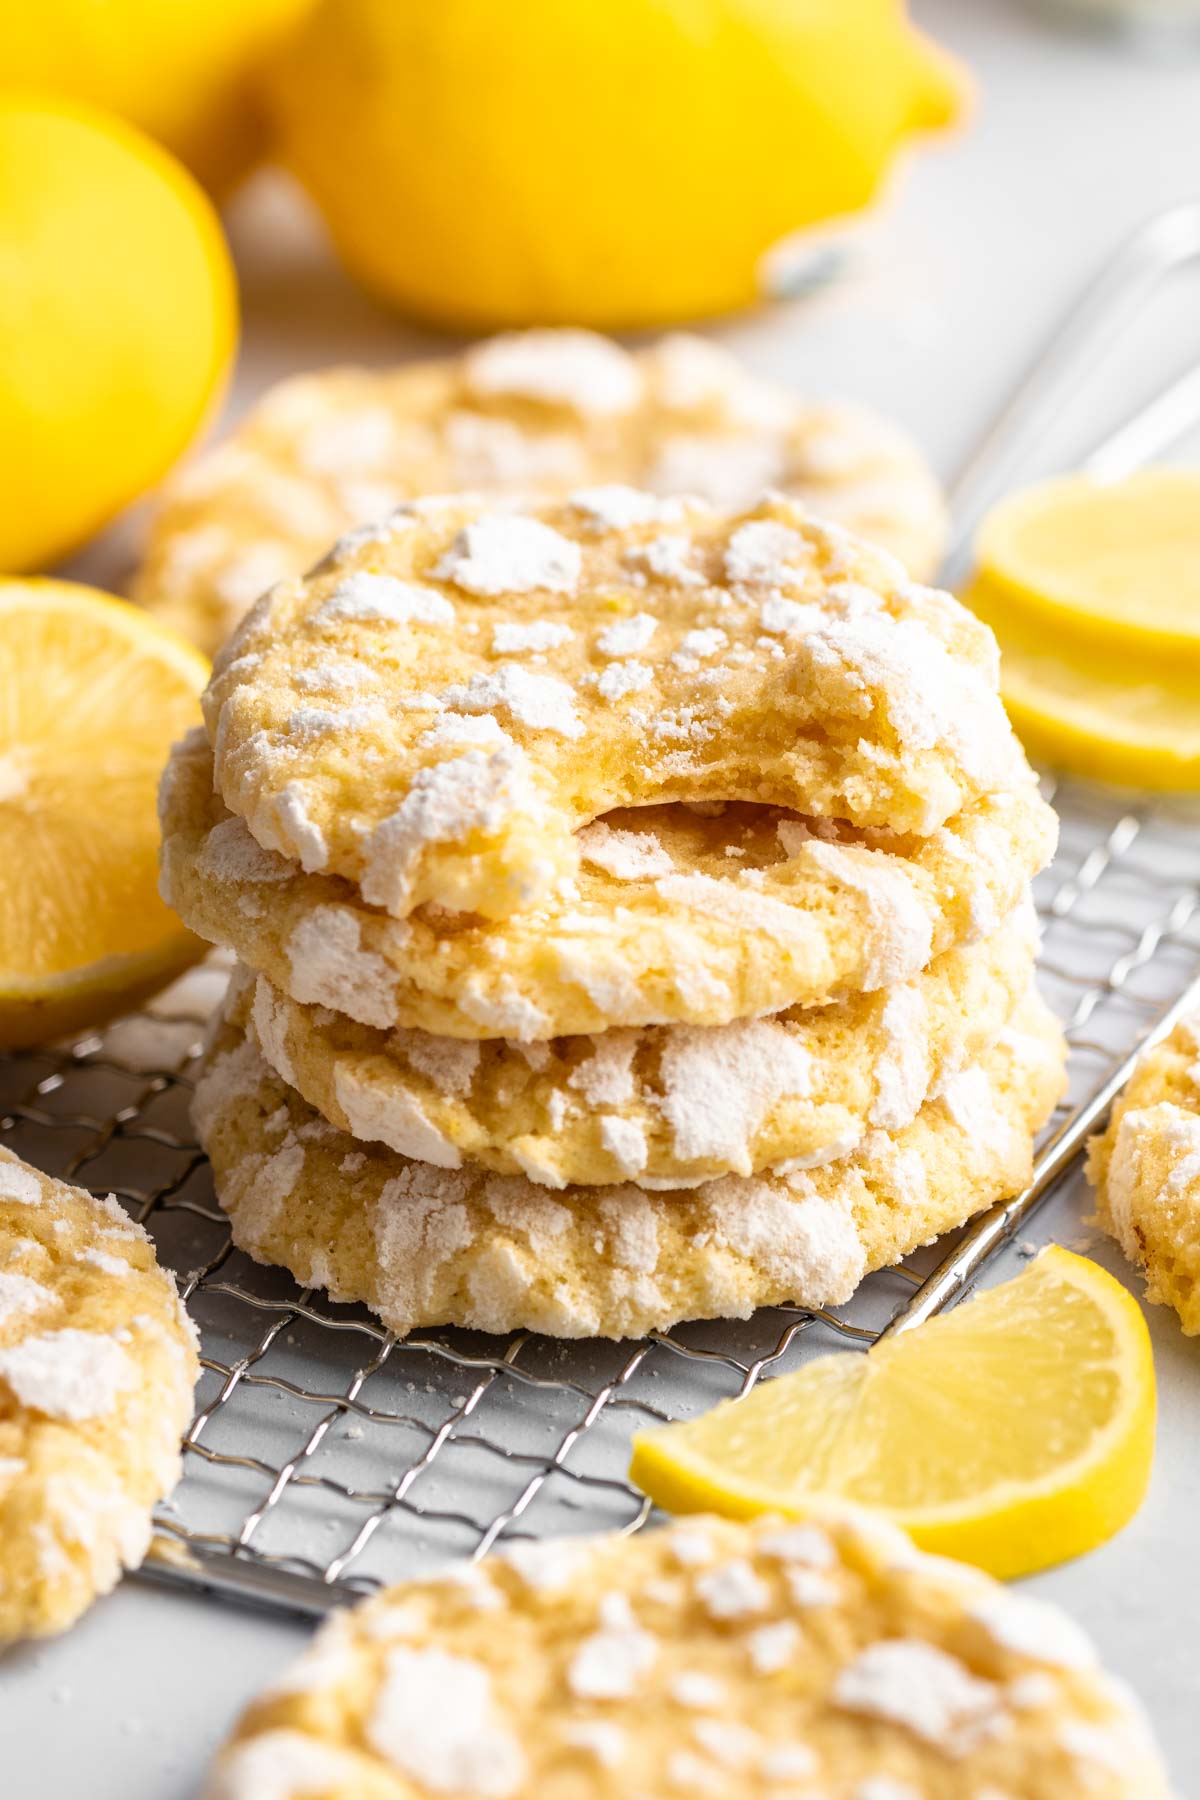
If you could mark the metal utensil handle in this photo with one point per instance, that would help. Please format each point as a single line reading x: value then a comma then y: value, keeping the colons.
x: 1159, y: 248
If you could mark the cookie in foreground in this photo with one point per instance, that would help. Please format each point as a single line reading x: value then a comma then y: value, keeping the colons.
x: 745, y: 1662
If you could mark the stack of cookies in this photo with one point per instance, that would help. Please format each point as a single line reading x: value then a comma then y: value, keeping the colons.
x: 631, y: 901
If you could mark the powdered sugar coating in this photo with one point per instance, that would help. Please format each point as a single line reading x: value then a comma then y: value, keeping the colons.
x: 908, y: 1682
x: 610, y: 1664
x: 467, y: 796
x: 573, y: 369
x: 68, y: 1374
x: 433, y: 1719
x: 541, y: 702
x: 19, y: 1184
x: 626, y: 855
x: 284, y: 1765
x: 621, y: 679
x: 21, y: 1294
x: 502, y: 553
x: 617, y: 506
x: 542, y: 634
x: 364, y: 597
x: 628, y: 637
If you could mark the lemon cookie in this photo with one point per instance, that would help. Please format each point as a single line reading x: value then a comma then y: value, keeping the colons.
x: 97, y: 1366
x: 666, y: 1106
x: 1146, y: 1170
x: 742, y: 1661
x: 543, y: 411
x: 436, y: 710
x: 676, y: 916
x: 427, y: 1246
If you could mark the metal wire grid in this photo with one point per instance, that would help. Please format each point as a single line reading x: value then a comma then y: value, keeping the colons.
x: 325, y: 1456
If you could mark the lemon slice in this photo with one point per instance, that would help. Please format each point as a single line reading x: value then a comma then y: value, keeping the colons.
x: 1012, y: 1432
x: 1118, y: 562
x: 92, y: 694
x: 1108, y: 716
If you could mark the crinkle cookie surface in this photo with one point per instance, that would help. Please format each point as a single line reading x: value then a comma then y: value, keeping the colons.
x: 675, y: 916
x: 427, y: 1246
x: 821, y: 1660
x: 542, y: 411
x: 666, y: 1106
x: 97, y: 1366
x: 437, y: 709
x: 1146, y: 1171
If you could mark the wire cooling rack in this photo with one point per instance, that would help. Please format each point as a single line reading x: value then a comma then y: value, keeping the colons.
x: 326, y: 1457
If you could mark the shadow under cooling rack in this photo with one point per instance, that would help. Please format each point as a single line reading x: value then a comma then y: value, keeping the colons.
x: 326, y: 1456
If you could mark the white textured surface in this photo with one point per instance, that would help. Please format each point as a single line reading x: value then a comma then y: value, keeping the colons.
x: 987, y: 237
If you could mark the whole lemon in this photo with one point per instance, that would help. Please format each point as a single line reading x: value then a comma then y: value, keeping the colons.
x: 186, y: 71
x: 604, y: 162
x: 118, y: 316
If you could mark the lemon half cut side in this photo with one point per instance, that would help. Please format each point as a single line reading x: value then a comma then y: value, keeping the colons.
x: 93, y: 691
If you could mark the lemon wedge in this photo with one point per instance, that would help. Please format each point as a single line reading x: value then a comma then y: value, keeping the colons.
x: 1013, y: 1432
x: 1090, y: 710
x: 92, y: 694
x: 1117, y: 563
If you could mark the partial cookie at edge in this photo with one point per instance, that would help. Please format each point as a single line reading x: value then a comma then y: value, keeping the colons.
x: 97, y: 1367
x: 1146, y: 1171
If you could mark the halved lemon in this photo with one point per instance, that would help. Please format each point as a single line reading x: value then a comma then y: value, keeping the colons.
x: 92, y: 694
x: 1116, y: 563
x: 1089, y: 709
x: 1013, y: 1432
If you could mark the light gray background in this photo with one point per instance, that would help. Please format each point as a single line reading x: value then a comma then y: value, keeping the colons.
x: 982, y: 241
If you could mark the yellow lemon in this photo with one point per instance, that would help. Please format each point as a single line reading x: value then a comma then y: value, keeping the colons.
x: 1012, y: 1432
x: 93, y: 691
x: 1117, y: 563
x: 607, y: 162
x: 118, y: 317
x: 1093, y: 711
x: 185, y: 71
